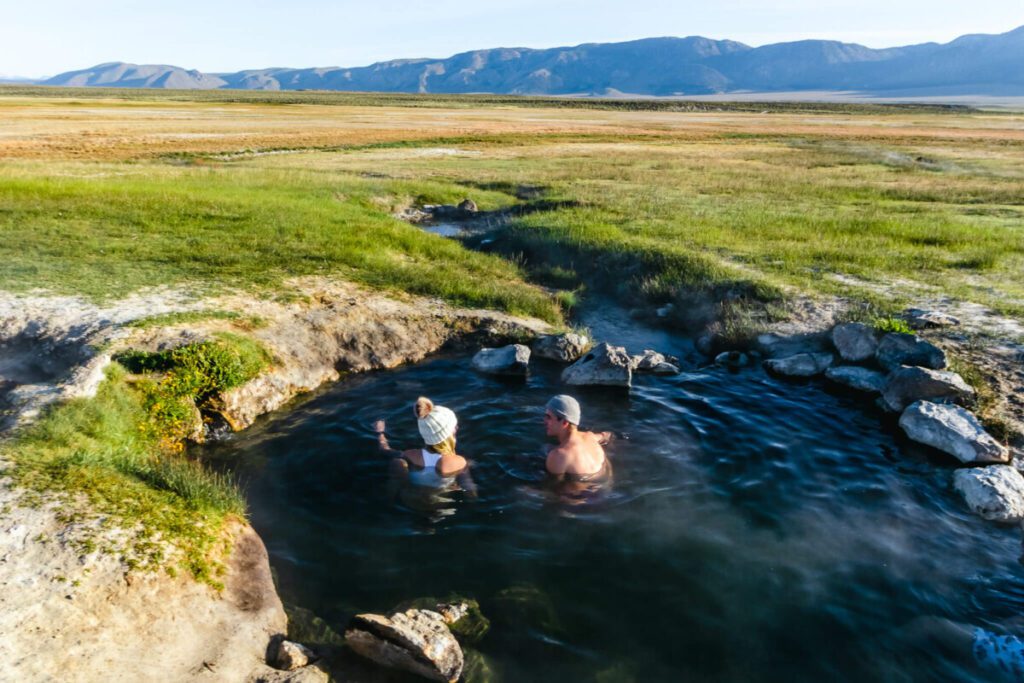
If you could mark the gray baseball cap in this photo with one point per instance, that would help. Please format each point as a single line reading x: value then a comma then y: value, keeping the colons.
x: 565, y: 407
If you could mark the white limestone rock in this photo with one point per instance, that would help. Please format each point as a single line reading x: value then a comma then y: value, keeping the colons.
x: 995, y: 492
x: 953, y: 430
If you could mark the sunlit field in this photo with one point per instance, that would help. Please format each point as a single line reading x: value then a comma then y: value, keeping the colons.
x: 111, y: 191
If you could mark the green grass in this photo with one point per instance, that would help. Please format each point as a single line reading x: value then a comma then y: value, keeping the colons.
x: 364, y: 99
x: 121, y: 453
x: 99, y: 459
x: 233, y: 227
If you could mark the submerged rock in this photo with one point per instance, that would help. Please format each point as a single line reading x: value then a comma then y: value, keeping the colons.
x: 652, y: 361
x: 898, y: 349
x: 855, y: 342
x: 910, y: 384
x: 801, y: 364
x: 953, y: 430
x: 861, y: 379
x: 289, y: 656
x: 417, y: 641
x: 566, y: 348
x: 603, y: 365
x: 732, y: 359
x: 508, y: 360
x: 995, y: 492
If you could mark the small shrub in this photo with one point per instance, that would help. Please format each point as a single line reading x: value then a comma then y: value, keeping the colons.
x: 891, y: 324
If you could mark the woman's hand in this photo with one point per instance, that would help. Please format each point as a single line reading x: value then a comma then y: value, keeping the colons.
x: 379, y: 427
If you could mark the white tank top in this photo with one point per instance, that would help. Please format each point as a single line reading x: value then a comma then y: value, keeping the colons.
x: 429, y: 476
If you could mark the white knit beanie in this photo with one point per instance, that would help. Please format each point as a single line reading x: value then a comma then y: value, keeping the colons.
x: 436, y: 423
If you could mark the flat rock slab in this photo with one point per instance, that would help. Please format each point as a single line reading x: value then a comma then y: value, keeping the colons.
x: 855, y: 342
x: 604, y: 365
x: 508, y: 360
x: 566, y: 348
x: 861, y: 379
x: 801, y: 364
x: 416, y: 640
x: 898, y: 349
x: 911, y: 384
x: 953, y: 430
x: 919, y: 318
x: 995, y: 492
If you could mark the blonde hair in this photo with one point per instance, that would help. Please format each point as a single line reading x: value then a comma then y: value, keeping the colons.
x: 421, y: 409
x: 446, y: 447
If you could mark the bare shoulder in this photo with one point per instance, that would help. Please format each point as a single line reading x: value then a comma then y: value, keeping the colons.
x: 557, y: 460
x: 451, y: 464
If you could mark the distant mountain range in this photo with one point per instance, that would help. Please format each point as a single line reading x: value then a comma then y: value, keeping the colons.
x: 972, y: 64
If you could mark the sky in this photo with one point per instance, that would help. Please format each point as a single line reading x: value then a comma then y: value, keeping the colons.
x: 45, y: 37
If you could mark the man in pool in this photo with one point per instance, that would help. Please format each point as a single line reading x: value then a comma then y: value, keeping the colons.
x: 579, y: 455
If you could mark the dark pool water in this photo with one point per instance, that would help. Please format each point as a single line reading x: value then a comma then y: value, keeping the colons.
x: 756, y: 530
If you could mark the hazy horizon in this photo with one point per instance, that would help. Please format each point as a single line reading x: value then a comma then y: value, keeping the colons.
x: 217, y: 37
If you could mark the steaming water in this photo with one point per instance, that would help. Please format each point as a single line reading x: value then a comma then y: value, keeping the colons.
x: 757, y: 529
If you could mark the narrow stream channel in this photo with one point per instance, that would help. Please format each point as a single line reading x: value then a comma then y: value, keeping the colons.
x: 757, y: 529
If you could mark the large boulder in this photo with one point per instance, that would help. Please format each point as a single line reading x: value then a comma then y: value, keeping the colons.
x: 995, y: 492
x: 508, y: 360
x: 909, y: 385
x: 652, y: 361
x: 855, y: 342
x: 898, y: 349
x: 953, y: 430
x: 603, y: 365
x: 801, y: 364
x: 567, y: 347
x: 416, y: 640
x: 861, y: 379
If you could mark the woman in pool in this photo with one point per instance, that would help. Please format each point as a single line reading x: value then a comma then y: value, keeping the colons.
x: 436, y: 468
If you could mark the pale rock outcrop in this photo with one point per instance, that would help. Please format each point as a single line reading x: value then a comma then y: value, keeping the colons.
x: 74, y: 614
x: 567, y: 347
x: 995, y: 492
x: 953, y: 430
x: 911, y: 384
x: 414, y: 640
x: 855, y: 377
x: 604, y: 365
x: 513, y: 359
x: 898, y: 349
x: 801, y: 364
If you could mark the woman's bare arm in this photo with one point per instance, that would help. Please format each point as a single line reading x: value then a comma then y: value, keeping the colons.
x: 379, y: 428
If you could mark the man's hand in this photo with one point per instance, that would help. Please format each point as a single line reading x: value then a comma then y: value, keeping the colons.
x: 379, y: 427
x: 604, y: 437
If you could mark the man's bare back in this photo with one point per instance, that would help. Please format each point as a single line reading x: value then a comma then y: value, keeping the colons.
x: 578, y: 453
x: 581, y: 455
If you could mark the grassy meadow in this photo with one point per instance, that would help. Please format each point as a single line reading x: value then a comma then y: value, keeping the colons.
x: 106, y: 192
